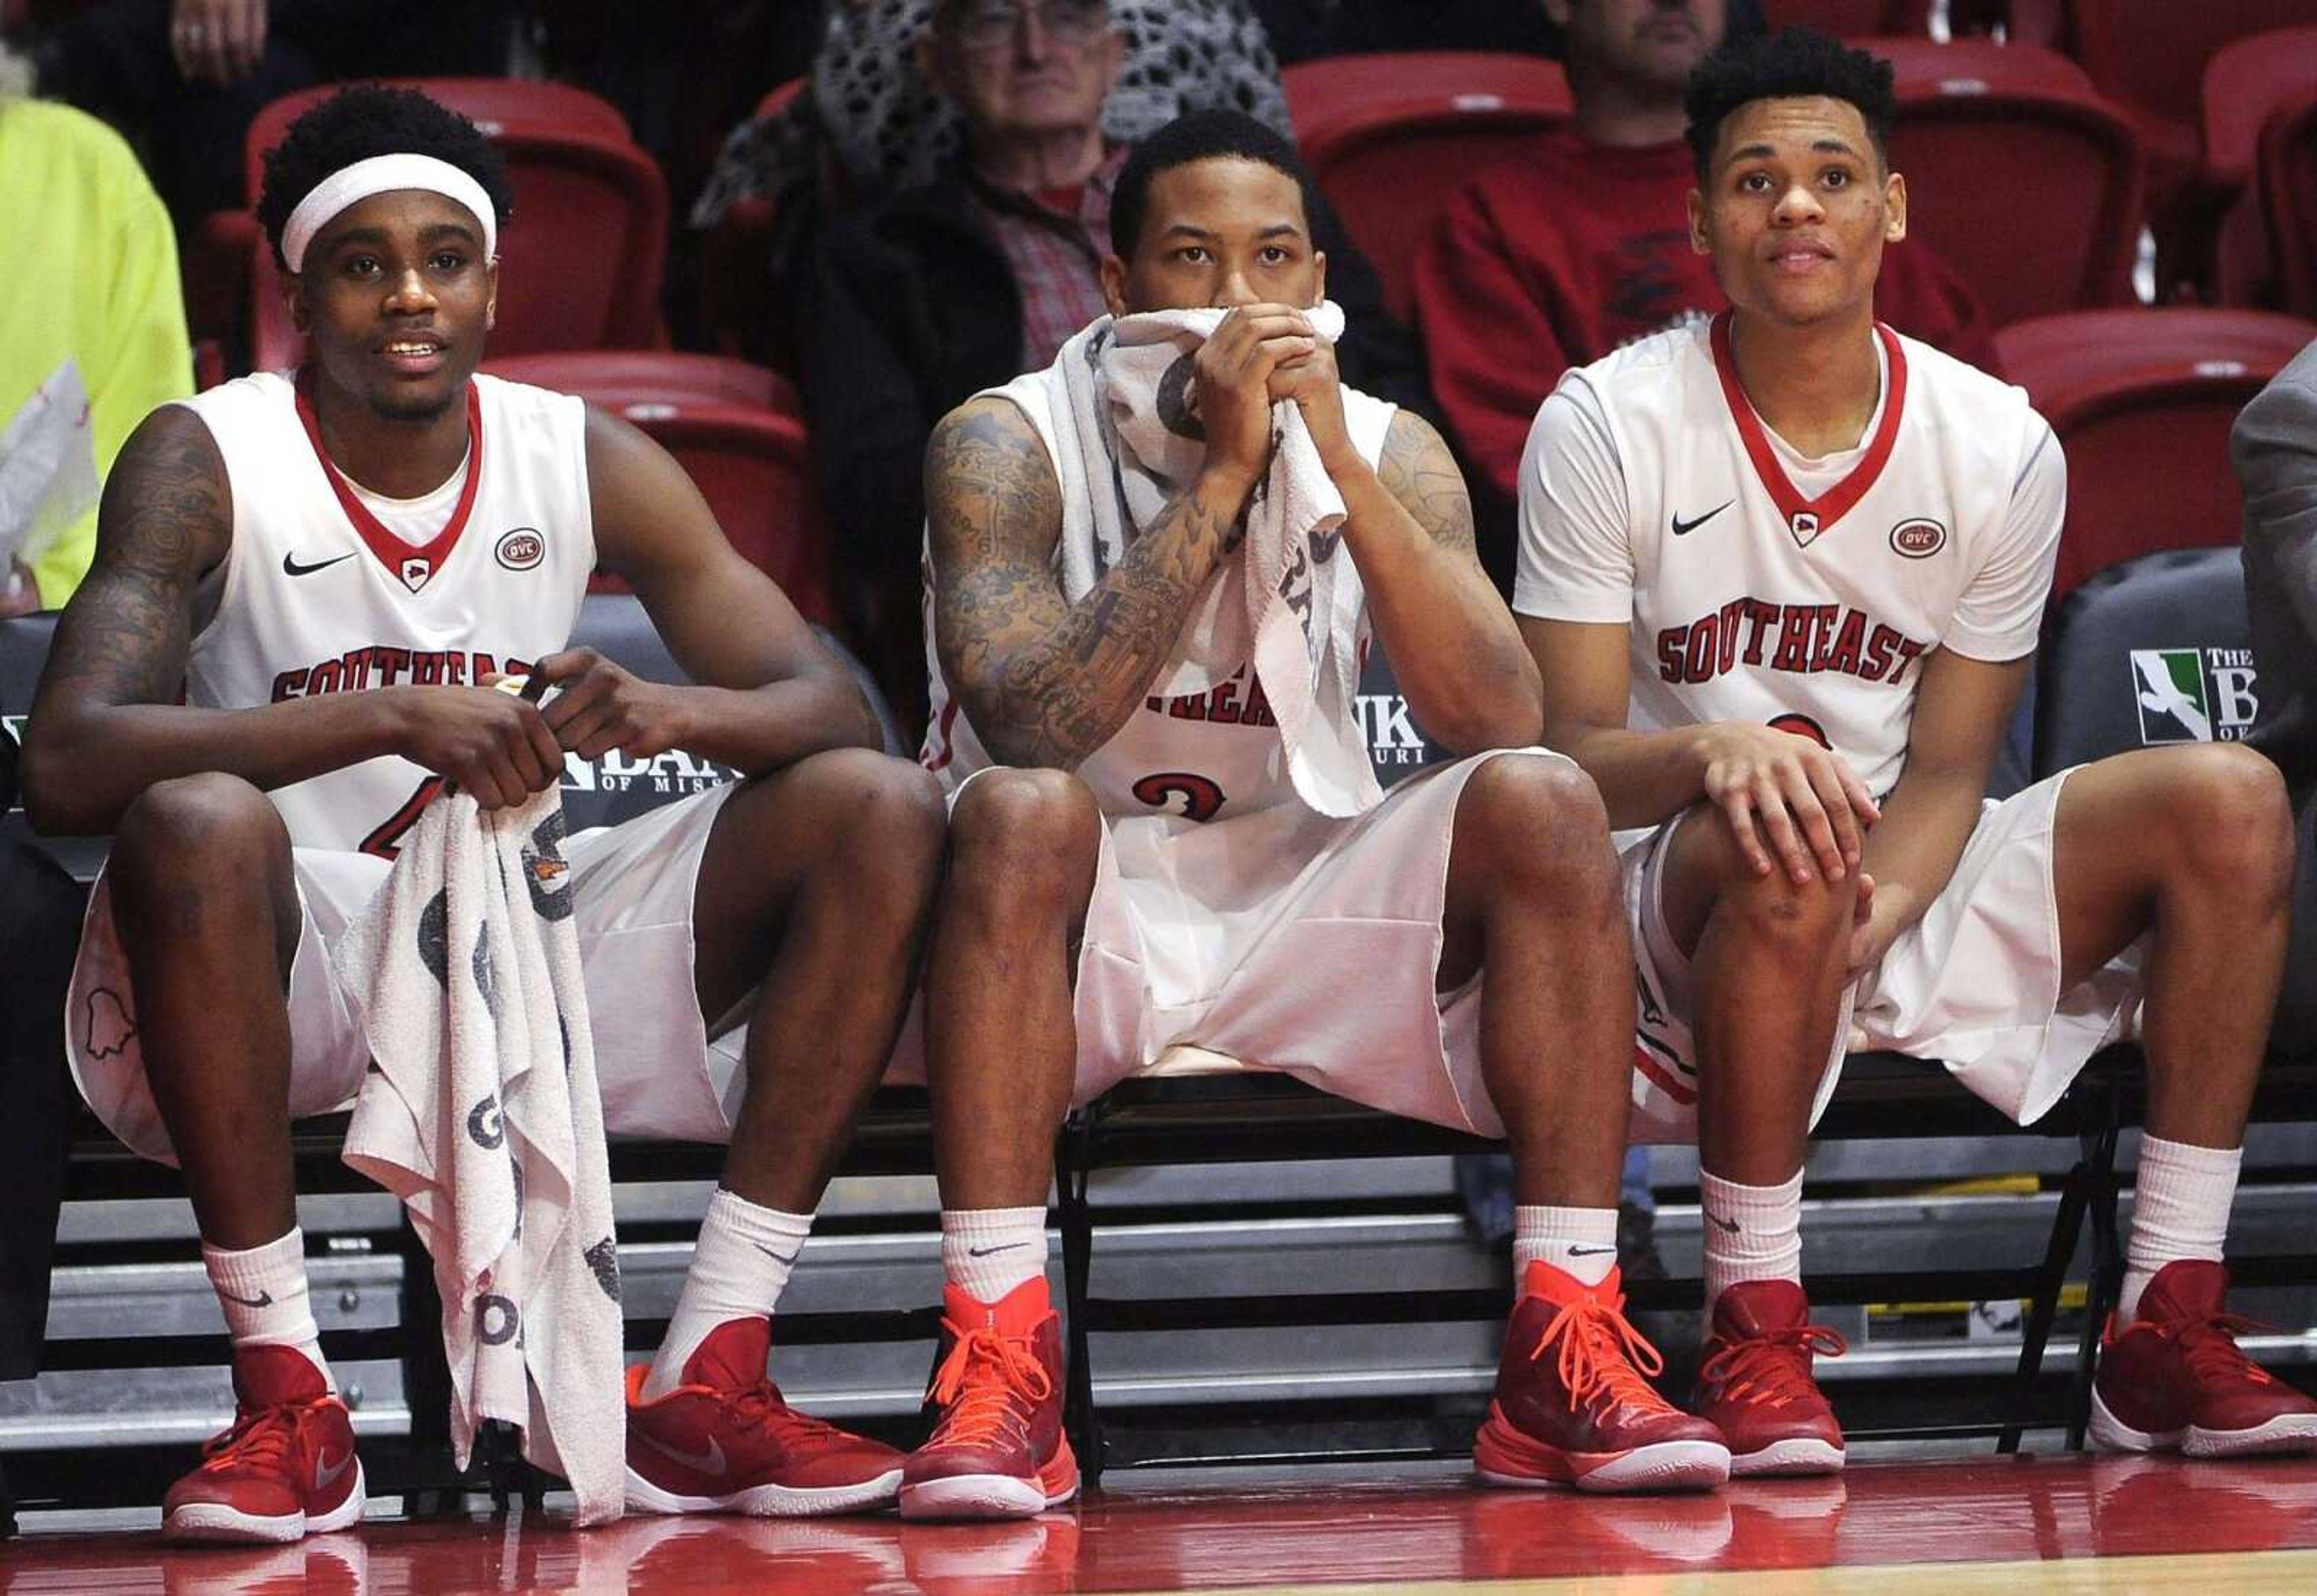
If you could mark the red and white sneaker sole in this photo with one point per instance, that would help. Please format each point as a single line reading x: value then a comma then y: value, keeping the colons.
x: 1664, y: 1465
x: 993, y: 1495
x: 2112, y: 1434
x: 2287, y: 1434
x: 769, y: 1500
x: 219, y: 1522
x: 1797, y: 1456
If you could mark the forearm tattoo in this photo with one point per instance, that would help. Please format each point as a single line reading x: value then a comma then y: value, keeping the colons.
x: 1047, y: 683
x: 1416, y: 468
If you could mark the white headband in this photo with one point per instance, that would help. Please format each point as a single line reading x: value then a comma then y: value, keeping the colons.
x: 384, y: 174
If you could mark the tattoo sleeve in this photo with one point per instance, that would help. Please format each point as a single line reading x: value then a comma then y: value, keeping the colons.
x: 1416, y: 468
x: 1046, y: 681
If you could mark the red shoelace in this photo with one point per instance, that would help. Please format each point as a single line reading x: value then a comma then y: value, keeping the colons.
x: 762, y: 1407
x: 1601, y: 1354
x: 261, y: 1438
x: 986, y: 1384
x: 1773, y: 1367
x: 2209, y: 1344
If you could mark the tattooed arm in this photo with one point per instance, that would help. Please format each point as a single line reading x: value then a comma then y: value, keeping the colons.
x: 1043, y: 681
x: 106, y: 723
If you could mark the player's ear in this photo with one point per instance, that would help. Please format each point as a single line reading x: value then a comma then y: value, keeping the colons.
x: 293, y: 299
x: 1319, y: 278
x: 491, y: 295
x: 1700, y: 240
x: 1895, y: 208
x: 1113, y: 284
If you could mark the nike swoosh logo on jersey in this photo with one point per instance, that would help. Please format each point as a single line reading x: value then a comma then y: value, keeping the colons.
x: 264, y: 1299
x: 290, y: 568
x: 326, y: 1473
x: 710, y: 1461
x: 1590, y: 1252
x: 1681, y: 526
x: 985, y: 1252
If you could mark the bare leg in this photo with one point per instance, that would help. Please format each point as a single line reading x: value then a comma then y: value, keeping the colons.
x: 207, y: 910
x: 1001, y: 1044
x: 1766, y: 965
x: 1532, y: 897
x: 2196, y: 844
x: 814, y: 891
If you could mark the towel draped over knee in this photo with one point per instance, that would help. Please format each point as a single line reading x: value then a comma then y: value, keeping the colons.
x: 480, y: 1112
x: 1289, y: 600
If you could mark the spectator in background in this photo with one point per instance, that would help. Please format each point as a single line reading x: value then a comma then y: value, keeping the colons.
x: 96, y: 339
x: 1581, y: 246
x: 2274, y: 448
x: 186, y: 77
x: 915, y: 302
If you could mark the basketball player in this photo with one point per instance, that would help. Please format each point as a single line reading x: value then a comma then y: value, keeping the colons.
x: 332, y: 562
x: 1129, y: 873
x: 1783, y: 577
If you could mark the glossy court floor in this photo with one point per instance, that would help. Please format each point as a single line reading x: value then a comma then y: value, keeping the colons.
x: 2049, y: 1523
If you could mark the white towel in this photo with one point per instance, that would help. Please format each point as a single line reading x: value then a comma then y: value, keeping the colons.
x: 480, y: 1112
x: 1288, y: 600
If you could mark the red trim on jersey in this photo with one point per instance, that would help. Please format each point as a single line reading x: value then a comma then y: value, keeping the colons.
x: 1831, y: 505
x: 390, y: 551
x: 1665, y: 1080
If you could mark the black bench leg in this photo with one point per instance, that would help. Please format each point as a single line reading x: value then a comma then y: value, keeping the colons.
x: 2107, y: 1274
x: 1076, y: 1214
x: 2059, y: 1252
x: 7, y: 1507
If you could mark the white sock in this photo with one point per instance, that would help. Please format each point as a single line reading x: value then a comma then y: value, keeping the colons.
x: 1752, y: 1233
x: 738, y: 1270
x: 1581, y: 1243
x: 2180, y: 1209
x: 990, y: 1252
x: 262, y: 1291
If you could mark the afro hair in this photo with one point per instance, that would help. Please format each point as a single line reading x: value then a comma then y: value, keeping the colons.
x: 372, y: 120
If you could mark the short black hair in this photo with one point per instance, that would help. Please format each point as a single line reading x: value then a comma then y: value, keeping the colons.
x: 372, y: 120
x: 1794, y: 64
x: 1201, y: 136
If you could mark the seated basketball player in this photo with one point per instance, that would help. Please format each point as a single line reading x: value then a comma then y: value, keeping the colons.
x: 1131, y: 872
x: 326, y: 561
x: 1783, y: 577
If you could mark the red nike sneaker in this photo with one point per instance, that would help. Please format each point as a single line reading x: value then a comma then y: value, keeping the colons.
x: 1588, y: 1416
x: 1755, y: 1382
x: 2175, y: 1378
x: 724, y: 1443
x: 287, y: 1467
x: 998, y: 1451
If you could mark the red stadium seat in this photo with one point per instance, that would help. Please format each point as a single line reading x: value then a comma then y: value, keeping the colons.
x: 579, y: 263
x: 1389, y: 136
x: 2018, y: 174
x: 2246, y: 82
x: 755, y: 469
x: 729, y: 265
x: 621, y: 379
x: 2288, y: 181
x: 494, y: 104
x: 2142, y: 401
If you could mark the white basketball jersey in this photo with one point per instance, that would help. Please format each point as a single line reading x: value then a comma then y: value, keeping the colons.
x: 317, y: 596
x: 1208, y: 756
x: 1806, y: 604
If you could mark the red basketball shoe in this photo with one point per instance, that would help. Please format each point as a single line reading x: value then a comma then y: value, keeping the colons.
x: 1588, y: 1416
x: 998, y: 1451
x: 1755, y: 1382
x: 285, y: 1469
x: 2175, y: 1378
x: 724, y: 1443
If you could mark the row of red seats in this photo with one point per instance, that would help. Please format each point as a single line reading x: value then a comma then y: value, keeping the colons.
x: 2022, y: 174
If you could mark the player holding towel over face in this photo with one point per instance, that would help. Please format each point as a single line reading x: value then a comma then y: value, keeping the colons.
x: 1784, y: 578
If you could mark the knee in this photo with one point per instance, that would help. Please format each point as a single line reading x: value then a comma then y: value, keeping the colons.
x: 1024, y: 838
x: 2232, y: 818
x: 1806, y: 916
x: 199, y: 831
x: 1537, y: 826
x: 884, y: 816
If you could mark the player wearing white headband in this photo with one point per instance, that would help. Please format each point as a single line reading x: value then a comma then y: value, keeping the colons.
x: 332, y: 562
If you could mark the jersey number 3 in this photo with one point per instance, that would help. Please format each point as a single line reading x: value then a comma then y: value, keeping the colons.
x: 1201, y: 799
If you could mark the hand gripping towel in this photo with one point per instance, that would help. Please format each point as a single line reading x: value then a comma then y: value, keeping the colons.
x: 480, y: 1112
x: 1288, y: 600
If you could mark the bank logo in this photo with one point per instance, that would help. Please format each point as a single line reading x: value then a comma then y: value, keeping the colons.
x: 2193, y: 694
x: 672, y: 775
x: 1395, y: 746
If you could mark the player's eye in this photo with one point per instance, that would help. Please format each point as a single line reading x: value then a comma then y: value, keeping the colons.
x: 1275, y: 255
x: 360, y: 265
x: 1836, y: 177
x: 1191, y: 253
x: 1754, y: 183
x: 449, y: 260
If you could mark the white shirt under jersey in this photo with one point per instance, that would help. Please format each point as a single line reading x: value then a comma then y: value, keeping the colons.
x: 1763, y: 586
x: 1213, y: 754
x: 330, y: 588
